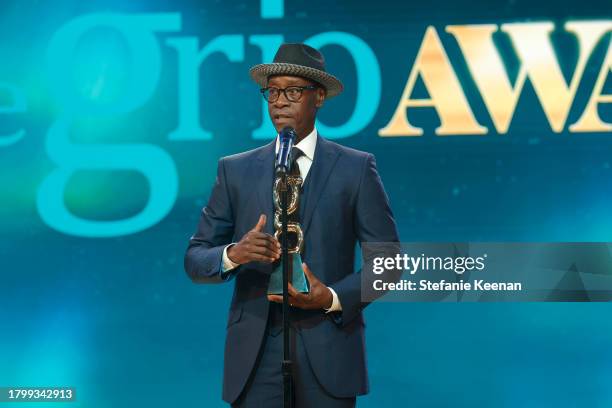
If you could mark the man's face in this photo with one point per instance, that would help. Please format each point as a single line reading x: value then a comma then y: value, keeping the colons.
x: 299, y: 115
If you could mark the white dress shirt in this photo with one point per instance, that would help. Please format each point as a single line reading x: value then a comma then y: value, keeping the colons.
x: 308, y: 146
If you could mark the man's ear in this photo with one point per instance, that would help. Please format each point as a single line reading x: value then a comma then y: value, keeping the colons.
x: 321, y: 94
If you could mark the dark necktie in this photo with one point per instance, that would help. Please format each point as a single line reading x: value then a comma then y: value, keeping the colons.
x: 296, y: 153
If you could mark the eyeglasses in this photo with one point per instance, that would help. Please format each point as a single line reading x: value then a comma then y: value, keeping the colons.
x: 292, y: 93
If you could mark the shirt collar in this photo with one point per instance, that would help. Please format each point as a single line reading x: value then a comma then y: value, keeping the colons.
x: 307, y: 144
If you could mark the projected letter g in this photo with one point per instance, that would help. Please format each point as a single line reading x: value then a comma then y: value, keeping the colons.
x: 151, y: 161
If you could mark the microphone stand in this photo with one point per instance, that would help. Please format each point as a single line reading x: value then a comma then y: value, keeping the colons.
x: 286, y: 363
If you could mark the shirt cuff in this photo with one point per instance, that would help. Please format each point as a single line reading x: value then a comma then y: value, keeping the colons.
x: 227, y: 263
x: 335, y: 306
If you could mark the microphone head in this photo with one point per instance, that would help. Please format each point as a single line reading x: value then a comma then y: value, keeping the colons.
x: 288, y: 133
x: 286, y: 137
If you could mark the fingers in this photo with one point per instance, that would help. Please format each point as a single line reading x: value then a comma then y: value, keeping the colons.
x: 265, y: 240
x: 293, y: 294
x: 312, y: 279
x: 299, y: 297
x: 263, y: 248
x: 292, y: 291
x: 311, y: 300
x: 275, y: 298
x: 254, y: 256
x: 292, y: 301
x: 260, y: 246
x: 261, y: 223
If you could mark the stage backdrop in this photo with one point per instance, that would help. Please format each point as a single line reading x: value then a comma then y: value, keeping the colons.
x: 490, y: 121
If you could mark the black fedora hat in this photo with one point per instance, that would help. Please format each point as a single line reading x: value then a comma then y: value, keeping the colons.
x: 301, y: 60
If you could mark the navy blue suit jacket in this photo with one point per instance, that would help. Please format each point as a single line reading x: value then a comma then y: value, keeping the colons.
x: 346, y: 203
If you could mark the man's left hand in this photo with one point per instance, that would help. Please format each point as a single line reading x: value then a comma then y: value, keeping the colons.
x: 319, y: 297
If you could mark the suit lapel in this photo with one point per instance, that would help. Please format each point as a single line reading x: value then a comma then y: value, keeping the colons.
x: 264, y: 171
x: 324, y: 161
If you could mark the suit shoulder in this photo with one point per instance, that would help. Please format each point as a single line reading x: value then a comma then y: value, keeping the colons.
x: 349, y: 152
x: 243, y: 157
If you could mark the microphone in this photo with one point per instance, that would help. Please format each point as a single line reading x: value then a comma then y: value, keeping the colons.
x: 286, y: 138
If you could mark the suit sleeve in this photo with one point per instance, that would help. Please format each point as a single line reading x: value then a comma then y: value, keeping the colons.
x: 374, y: 222
x: 204, y: 256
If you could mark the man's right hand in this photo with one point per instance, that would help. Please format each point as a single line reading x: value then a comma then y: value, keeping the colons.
x: 255, y: 245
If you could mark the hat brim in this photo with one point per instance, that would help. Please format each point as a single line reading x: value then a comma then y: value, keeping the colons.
x: 260, y: 73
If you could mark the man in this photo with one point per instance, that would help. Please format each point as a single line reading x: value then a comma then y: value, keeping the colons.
x: 342, y: 202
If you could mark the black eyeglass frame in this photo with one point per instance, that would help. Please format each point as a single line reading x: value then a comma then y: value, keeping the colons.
x: 284, y: 91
